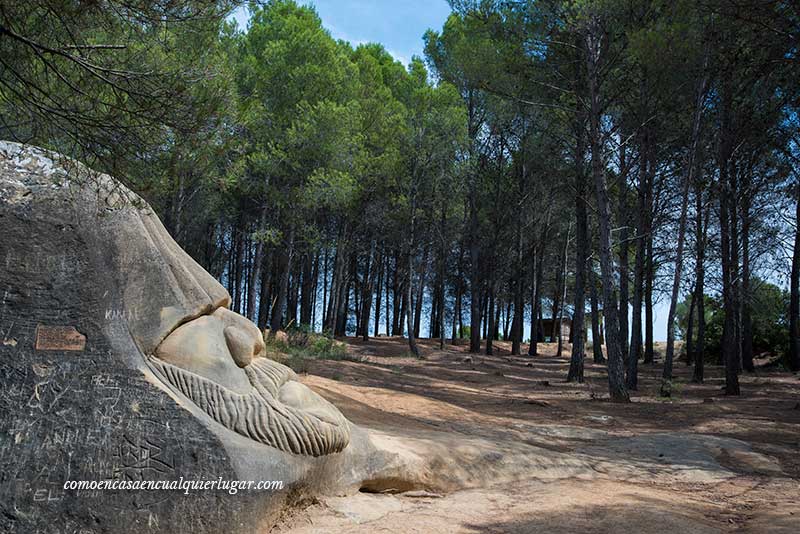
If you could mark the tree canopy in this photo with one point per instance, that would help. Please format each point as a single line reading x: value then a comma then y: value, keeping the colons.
x: 545, y: 163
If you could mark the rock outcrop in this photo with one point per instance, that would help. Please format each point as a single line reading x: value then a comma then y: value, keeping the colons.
x: 120, y: 361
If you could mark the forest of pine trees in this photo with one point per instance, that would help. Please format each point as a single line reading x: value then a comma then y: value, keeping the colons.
x: 580, y: 160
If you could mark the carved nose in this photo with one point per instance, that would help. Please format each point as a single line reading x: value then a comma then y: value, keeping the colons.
x: 242, y: 345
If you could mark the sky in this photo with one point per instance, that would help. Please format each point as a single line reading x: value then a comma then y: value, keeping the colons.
x: 399, y: 26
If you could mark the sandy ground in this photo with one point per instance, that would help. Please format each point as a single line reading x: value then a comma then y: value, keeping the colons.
x: 698, y: 462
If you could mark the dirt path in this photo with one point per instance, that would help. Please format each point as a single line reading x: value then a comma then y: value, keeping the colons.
x: 699, y: 462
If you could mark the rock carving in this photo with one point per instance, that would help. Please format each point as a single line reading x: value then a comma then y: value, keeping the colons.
x: 183, y: 328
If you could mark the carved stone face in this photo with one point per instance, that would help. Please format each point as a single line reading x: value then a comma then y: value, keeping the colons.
x: 217, y: 361
x: 175, y: 312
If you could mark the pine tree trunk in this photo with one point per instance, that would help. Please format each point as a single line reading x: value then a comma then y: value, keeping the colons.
x: 358, y: 285
x: 397, y: 298
x: 379, y: 291
x: 233, y: 288
x: 649, y: 269
x: 343, y: 298
x: 649, y: 353
x: 616, y: 371
x: 325, y: 290
x: 283, y: 284
x: 575, y: 373
x: 458, y: 322
x: 495, y: 333
x: 747, y: 321
x: 517, y: 283
x: 492, y: 321
x: 412, y: 342
x: 635, y: 349
x: 433, y: 317
x: 532, y: 345
x: 624, y: 304
x: 475, y: 279
x: 536, y: 305
x: 307, y: 287
x: 423, y: 278
x: 517, y: 321
x: 264, y: 292
x: 700, y: 97
x: 370, y: 274
x: 441, y: 307
x: 730, y: 354
x: 689, y: 341
x: 554, y: 312
x: 484, y: 319
x: 257, y: 266
x: 229, y: 267
x: 246, y: 270
x: 794, y: 292
x: 736, y: 280
x: 700, y: 244
x: 402, y: 314
x: 413, y: 325
x: 294, y: 294
x: 329, y: 320
x: 338, y: 287
x: 563, y: 297
x: 388, y: 311
x: 314, y: 293
x: 597, y: 330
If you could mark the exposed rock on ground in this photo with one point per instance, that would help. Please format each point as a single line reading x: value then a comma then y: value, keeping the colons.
x: 532, y: 458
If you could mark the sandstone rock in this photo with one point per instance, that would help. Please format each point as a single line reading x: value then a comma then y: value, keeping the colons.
x: 120, y: 361
x: 537, y: 402
x: 677, y: 457
x: 279, y: 337
x: 420, y: 494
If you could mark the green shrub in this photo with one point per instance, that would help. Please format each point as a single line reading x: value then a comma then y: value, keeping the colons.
x: 298, y: 364
x: 768, y: 304
x: 301, y: 345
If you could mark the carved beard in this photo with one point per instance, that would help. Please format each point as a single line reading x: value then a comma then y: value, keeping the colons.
x: 260, y: 415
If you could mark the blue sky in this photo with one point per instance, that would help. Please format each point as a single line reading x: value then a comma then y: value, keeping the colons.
x: 397, y: 24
